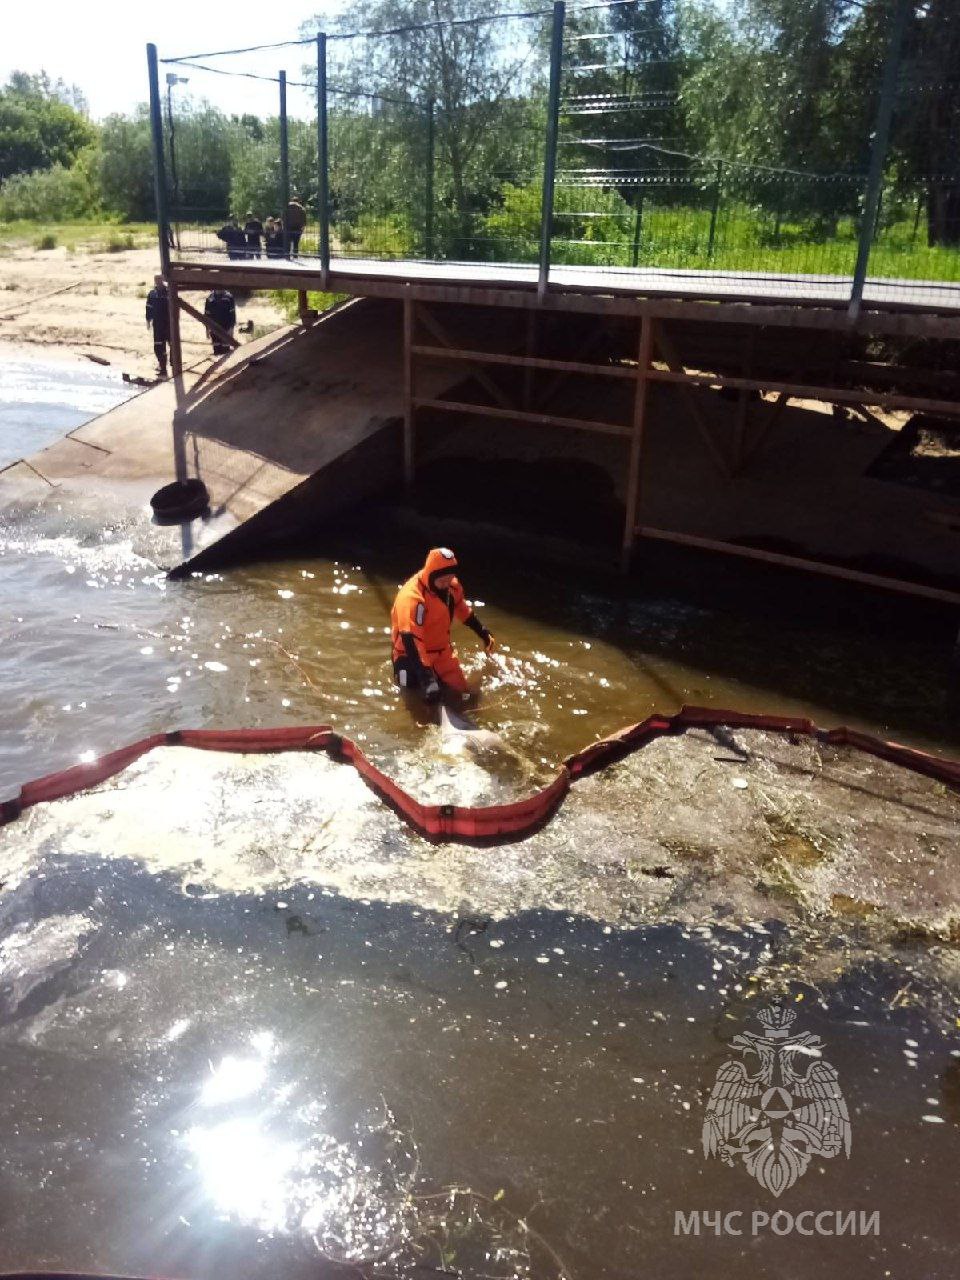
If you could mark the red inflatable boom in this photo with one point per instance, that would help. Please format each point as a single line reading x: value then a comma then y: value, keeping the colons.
x: 495, y: 824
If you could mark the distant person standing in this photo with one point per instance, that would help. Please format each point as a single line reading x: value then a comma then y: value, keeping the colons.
x: 253, y: 230
x: 221, y: 309
x: 158, y: 318
x: 233, y: 238
x: 295, y: 221
x: 273, y: 237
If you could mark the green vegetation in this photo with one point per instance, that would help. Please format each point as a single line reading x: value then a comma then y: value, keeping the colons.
x: 288, y: 302
x: 98, y: 236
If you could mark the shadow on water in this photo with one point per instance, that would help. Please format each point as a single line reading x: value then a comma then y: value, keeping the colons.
x: 206, y: 1084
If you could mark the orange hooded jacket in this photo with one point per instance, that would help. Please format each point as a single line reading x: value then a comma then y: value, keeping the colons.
x: 423, y: 613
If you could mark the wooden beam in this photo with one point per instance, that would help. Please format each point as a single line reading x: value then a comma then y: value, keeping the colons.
x: 432, y: 324
x: 743, y: 405
x: 409, y: 403
x: 829, y: 395
x: 519, y: 415
x: 679, y: 375
x: 890, y: 321
x: 211, y: 326
x: 525, y: 362
x: 919, y: 589
x: 636, y: 441
x: 592, y: 343
x: 530, y: 349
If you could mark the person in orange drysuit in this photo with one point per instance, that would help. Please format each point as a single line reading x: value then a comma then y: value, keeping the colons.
x: 426, y: 604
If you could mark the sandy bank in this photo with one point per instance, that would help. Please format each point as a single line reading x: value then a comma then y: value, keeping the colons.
x: 62, y: 303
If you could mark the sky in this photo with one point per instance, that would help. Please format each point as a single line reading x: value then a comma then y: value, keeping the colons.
x: 101, y: 46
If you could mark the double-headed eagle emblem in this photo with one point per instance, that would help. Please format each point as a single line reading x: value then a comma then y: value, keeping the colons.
x: 779, y: 1115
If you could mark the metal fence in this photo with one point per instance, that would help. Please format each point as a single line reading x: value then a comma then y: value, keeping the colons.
x: 577, y: 137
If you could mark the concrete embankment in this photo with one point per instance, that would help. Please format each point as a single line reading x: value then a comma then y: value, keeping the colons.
x: 285, y: 429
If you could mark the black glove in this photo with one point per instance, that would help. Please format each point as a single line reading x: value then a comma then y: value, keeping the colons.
x: 477, y: 627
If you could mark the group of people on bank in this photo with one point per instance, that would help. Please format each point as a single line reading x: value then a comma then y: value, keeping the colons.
x: 276, y: 237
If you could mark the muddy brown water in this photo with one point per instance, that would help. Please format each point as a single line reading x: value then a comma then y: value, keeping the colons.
x: 199, y: 1082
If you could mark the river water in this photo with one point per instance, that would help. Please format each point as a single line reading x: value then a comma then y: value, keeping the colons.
x: 205, y: 1075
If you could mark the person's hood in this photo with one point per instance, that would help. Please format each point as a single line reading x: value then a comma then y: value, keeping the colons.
x: 440, y: 560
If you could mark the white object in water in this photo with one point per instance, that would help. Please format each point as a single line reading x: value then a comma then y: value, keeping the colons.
x: 459, y: 733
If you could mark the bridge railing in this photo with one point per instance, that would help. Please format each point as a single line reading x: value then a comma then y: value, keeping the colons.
x: 590, y: 135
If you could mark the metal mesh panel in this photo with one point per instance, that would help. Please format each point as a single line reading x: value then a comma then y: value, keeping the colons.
x: 692, y: 141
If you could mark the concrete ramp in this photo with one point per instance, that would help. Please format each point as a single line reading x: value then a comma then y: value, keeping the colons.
x: 284, y: 431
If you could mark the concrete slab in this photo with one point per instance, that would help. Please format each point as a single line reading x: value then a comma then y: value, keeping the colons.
x: 254, y: 426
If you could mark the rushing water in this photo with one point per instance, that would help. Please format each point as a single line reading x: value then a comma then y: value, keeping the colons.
x: 40, y: 401
x: 204, y: 1081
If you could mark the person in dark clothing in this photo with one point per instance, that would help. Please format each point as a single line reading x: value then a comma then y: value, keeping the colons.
x: 233, y: 238
x: 253, y: 230
x: 158, y: 318
x: 296, y: 220
x: 221, y: 309
x: 273, y: 237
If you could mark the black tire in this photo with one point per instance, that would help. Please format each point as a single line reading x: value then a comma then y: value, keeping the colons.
x: 182, y: 500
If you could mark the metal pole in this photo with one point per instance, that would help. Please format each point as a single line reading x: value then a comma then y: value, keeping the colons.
x: 159, y: 173
x: 778, y: 220
x: 876, y: 221
x: 323, y: 159
x: 284, y: 163
x: 637, y: 224
x: 550, y: 154
x: 878, y: 155
x: 173, y: 155
x: 428, y: 195
x: 916, y: 220
x: 632, y: 504
x: 176, y: 346
x: 409, y: 392
x: 716, y: 209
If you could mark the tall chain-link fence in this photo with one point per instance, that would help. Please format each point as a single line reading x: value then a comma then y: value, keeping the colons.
x: 678, y: 140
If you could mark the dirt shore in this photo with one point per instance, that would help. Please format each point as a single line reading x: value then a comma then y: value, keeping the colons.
x: 81, y: 302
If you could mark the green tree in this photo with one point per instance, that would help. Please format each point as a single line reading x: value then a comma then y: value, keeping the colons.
x: 486, y: 83
x: 37, y: 128
x: 926, y: 140
x: 126, y: 165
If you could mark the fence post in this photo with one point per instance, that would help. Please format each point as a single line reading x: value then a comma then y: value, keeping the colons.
x: 428, y: 192
x: 284, y: 164
x: 323, y: 160
x: 159, y: 172
x: 637, y: 224
x: 916, y: 220
x: 878, y: 154
x: 716, y: 209
x: 778, y: 219
x: 550, y: 153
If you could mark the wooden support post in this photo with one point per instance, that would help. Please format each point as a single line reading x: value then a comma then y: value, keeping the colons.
x: 636, y: 442
x: 303, y: 307
x: 408, y: 395
x: 530, y: 350
x: 743, y: 406
x: 176, y: 347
